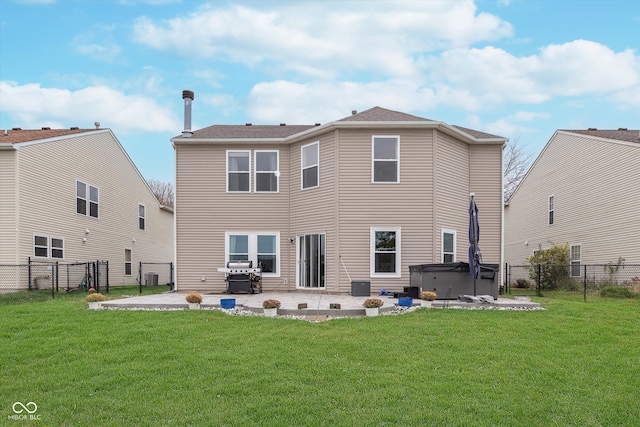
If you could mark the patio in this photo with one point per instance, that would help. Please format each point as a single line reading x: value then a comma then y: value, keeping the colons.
x: 317, y: 304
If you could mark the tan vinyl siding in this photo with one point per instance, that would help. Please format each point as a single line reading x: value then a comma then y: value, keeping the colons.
x: 47, y: 188
x: 207, y: 211
x: 314, y: 210
x: 486, y: 183
x: 364, y: 204
x: 452, y: 184
x: 8, y: 209
x: 597, y: 201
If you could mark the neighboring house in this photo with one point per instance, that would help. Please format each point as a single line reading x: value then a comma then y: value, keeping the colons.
x: 584, y: 190
x: 361, y: 198
x: 74, y: 195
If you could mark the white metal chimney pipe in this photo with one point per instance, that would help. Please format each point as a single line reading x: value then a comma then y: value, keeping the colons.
x: 188, y: 97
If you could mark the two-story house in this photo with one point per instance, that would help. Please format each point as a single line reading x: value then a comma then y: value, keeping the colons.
x: 74, y: 195
x: 584, y: 190
x: 319, y: 206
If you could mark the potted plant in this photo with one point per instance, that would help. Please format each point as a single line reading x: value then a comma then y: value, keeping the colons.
x: 95, y: 300
x: 427, y: 298
x: 270, y: 307
x: 194, y: 299
x: 372, y: 306
x: 43, y: 282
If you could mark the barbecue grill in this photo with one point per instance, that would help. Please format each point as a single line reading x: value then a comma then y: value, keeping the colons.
x: 242, y: 277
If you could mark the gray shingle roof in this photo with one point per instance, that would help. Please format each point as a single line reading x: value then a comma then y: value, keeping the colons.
x: 252, y: 131
x: 379, y: 114
x: 26, y: 135
x: 618, y: 135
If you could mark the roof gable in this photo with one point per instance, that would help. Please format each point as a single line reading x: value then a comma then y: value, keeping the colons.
x: 379, y: 114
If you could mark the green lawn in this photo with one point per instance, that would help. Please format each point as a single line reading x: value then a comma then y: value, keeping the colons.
x: 575, y: 364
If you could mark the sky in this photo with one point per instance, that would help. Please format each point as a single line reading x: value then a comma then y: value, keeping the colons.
x: 516, y: 68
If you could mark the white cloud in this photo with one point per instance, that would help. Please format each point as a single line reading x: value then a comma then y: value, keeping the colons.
x: 325, y: 39
x: 299, y: 103
x: 31, y: 105
x: 492, y: 76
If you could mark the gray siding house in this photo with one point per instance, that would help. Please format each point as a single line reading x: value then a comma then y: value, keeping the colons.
x: 584, y: 190
x: 74, y: 195
x: 319, y: 206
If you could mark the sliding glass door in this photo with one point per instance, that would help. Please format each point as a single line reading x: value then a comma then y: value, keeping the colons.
x: 311, y: 261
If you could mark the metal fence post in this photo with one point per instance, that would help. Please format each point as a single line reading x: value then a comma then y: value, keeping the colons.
x: 107, y: 278
x: 585, y: 283
x: 539, y: 280
x: 140, y: 276
x: 29, y: 273
x: 171, y: 275
x: 96, y: 275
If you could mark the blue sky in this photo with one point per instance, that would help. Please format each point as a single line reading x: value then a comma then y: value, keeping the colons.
x: 519, y: 69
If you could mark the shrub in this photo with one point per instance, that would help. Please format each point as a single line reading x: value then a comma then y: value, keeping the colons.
x: 95, y: 297
x: 271, y: 303
x: 428, y: 295
x: 522, y: 284
x: 193, y: 298
x: 617, y: 292
x: 373, y: 303
x: 554, y: 266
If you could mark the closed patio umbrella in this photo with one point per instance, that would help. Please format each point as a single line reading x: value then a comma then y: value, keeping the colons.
x: 475, y: 257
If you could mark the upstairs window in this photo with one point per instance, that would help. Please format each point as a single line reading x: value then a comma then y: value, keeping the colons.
x: 238, y: 171
x: 552, y: 209
x: 266, y: 171
x: 385, y: 166
x: 310, y: 163
x: 87, y: 195
x: 142, y: 216
x: 448, y: 245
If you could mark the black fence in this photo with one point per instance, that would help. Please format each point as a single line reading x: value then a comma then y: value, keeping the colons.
x: 155, y: 274
x: 56, y: 276
x: 583, y: 278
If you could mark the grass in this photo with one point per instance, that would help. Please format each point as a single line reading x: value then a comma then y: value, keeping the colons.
x: 575, y: 364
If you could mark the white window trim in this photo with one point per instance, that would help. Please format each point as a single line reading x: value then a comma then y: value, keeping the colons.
x: 51, y: 248
x: 124, y: 264
x: 551, y: 197
x: 33, y: 243
x: 256, y: 171
x: 571, y: 260
x: 253, y: 247
x: 87, y: 199
x: 143, y: 217
x: 302, y: 168
x: 455, y: 238
x: 227, y: 169
x: 372, y: 252
x: 373, y: 160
